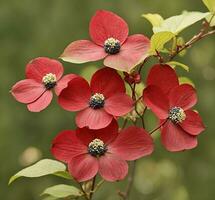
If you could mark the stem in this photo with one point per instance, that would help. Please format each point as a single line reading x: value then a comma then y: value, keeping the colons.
x: 124, y: 124
x: 98, y: 185
x: 160, y: 58
x: 155, y: 129
x: 125, y: 195
x: 193, y: 40
x: 85, y: 194
x: 92, y: 189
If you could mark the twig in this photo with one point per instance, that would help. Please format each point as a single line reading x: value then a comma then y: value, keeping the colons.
x: 92, y: 189
x: 155, y: 129
x: 193, y: 40
x: 124, y: 123
x: 125, y: 195
x: 85, y: 194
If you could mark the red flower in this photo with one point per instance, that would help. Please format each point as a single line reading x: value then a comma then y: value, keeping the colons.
x: 110, y: 40
x: 98, y: 103
x: 172, y: 103
x: 103, y: 151
x: 42, y: 75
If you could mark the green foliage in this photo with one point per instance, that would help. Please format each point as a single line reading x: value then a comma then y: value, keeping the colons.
x: 155, y: 19
x: 62, y: 191
x: 158, y: 40
x: 210, y: 5
x: 173, y: 64
x: 178, y: 23
x: 41, y: 168
x: 186, y: 80
x: 64, y: 174
x: 211, y: 19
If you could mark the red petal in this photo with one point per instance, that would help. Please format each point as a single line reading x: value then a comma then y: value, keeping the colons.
x: 83, y: 167
x: 66, y: 145
x: 82, y: 51
x: 76, y: 96
x: 183, y: 96
x: 93, y: 118
x: 27, y: 91
x: 63, y: 83
x: 112, y: 168
x: 105, y: 24
x: 163, y: 76
x: 133, y: 51
x: 174, y: 138
x: 107, y: 81
x: 118, y: 104
x: 155, y: 99
x: 193, y: 123
x: 132, y: 143
x: 42, y: 102
x: 106, y: 134
x: 39, y: 67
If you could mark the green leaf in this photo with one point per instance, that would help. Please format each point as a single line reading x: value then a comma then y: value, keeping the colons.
x: 154, y: 19
x: 88, y: 72
x: 64, y: 174
x: 158, y: 40
x: 210, y: 5
x: 178, y: 23
x: 62, y: 191
x: 174, y: 64
x: 186, y: 80
x: 211, y: 19
x: 41, y: 168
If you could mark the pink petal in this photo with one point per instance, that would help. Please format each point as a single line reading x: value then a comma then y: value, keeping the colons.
x: 193, y: 123
x: 82, y: 51
x: 155, y: 99
x: 118, y: 104
x: 183, y: 96
x: 132, y: 143
x: 112, y: 167
x: 41, y: 103
x: 93, y: 118
x: 106, y: 134
x: 76, y: 96
x: 83, y: 167
x: 39, y: 67
x: 107, y: 81
x: 133, y: 51
x: 66, y: 145
x: 105, y: 24
x: 174, y: 138
x: 63, y: 83
x: 163, y: 76
x: 27, y: 91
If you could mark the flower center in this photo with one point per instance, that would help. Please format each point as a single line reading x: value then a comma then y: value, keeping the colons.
x: 97, y: 101
x: 49, y: 80
x: 97, y: 148
x: 112, y: 46
x: 177, y: 114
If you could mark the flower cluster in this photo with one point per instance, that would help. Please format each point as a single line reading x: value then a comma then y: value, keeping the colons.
x: 98, y: 145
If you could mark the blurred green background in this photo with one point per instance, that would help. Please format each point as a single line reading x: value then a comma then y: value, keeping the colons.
x: 32, y: 28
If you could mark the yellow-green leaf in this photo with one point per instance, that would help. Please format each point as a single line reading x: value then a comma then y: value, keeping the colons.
x: 62, y: 191
x: 154, y: 19
x: 174, y: 64
x: 158, y: 40
x: 63, y: 174
x: 178, y: 23
x: 183, y: 80
x: 210, y: 5
x: 211, y: 19
x: 41, y: 168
